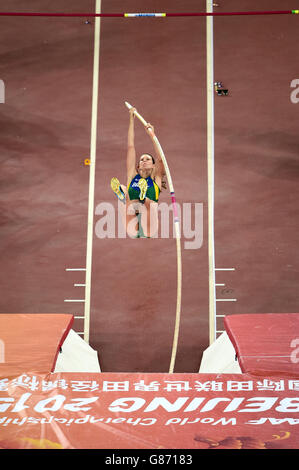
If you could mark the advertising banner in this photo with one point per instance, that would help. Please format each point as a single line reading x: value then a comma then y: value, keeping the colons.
x: 148, y: 411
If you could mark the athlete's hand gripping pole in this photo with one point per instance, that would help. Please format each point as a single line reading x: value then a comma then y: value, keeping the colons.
x: 136, y: 114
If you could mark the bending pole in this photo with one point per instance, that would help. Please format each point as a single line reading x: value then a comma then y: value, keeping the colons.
x: 178, y: 245
x: 149, y: 15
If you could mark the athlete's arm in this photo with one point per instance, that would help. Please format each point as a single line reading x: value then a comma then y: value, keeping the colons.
x: 131, y: 152
x: 159, y: 167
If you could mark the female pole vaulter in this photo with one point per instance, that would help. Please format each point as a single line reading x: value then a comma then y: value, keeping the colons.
x: 144, y: 184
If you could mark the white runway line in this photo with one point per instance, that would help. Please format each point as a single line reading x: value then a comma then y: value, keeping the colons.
x: 225, y: 269
x: 80, y: 285
x: 74, y: 300
x: 93, y: 147
x: 211, y: 169
x: 75, y: 269
x: 226, y: 300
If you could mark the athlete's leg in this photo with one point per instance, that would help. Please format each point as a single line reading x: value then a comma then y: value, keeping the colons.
x: 149, y: 218
x: 131, y: 219
x: 118, y: 189
x: 142, y: 184
x: 129, y: 212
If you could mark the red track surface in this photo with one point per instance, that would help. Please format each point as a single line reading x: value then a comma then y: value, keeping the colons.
x: 159, y: 67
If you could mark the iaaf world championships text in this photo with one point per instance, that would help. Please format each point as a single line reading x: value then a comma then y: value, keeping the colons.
x: 234, y: 405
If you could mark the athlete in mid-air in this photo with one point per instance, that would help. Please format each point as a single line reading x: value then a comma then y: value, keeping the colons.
x: 144, y: 183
